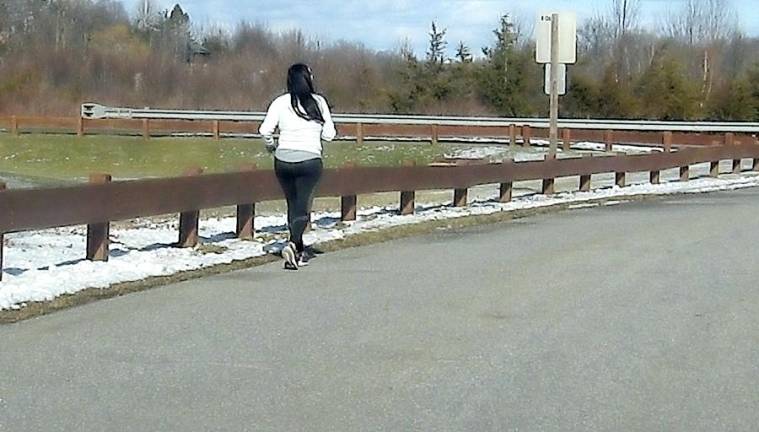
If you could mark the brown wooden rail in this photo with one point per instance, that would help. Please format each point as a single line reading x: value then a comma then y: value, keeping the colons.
x: 217, y: 129
x: 102, y: 201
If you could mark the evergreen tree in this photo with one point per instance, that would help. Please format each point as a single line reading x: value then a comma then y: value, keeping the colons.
x: 462, y: 79
x: 56, y: 53
x: 666, y: 93
x: 502, y: 81
x: 435, y: 83
x: 614, y: 97
x: 177, y: 33
x: 178, y: 17
x: 436, y: 50
x: 582, y: 98
x: 405, y: 94
x: 463, y: 53
x: 752, y: 89
x: 734, y: 102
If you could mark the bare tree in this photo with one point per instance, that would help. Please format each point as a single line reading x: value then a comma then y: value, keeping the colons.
x: 595, y: 37
x: 4, y: 25
x: 705, y: 26
x: 625, y: 17
x: 702, y: 22
x: 147, y: 16
x: 610, y: 36
x: 523, y: 27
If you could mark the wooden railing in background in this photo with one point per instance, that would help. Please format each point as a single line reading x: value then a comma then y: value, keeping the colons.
x: 216, y: 129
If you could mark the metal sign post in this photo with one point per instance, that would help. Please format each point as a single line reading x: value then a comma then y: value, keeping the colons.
x: 556, y: 46
x: 554, y: 117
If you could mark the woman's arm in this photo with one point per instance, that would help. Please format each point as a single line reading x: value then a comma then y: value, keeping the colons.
x: 269, y: 125
x: 328, y: 129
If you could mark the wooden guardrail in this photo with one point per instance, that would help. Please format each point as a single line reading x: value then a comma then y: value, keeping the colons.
x: 217, y: 129
x: 102, y: 201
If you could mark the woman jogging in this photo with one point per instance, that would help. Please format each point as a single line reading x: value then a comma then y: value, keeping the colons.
x: 303, y: 119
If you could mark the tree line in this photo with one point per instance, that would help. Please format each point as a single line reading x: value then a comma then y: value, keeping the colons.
x: 694, y: 64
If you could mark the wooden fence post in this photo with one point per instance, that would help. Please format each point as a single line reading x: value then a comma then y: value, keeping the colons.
x: 512, y: 136
x: 98, y: 234
x: 14, y: 126
x: 737, y: 166
x: 684, y: 173
x: 506, y: 192
x: 655, y: 177
x: 348, y: 202
x: 666, y: 140
x: 549, y: 183
x: 146, y: 128
x: 729, y: 140
x: 585, y: 180
x: 246, y: 214
x: 245, y: 221
x: 714, y: 169
x: 608, y: 140
x: 549, y: 187
x: 460, y: 197
x: 189, y: 220
x: 80, y: 127
x: 216, y: 130
x: 408, y: 202
x: 408, y: 198
x: 526, y: 135
x: 348, y: 208
x: 507, y: 188
x: 2, y: 240
x: 585, y: 183
x: 566, y: 136
x: 435, y: 134
x: 359, y: 134
x: 620, y: 179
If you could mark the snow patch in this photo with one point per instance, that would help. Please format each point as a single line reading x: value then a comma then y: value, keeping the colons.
x: 43, y: 265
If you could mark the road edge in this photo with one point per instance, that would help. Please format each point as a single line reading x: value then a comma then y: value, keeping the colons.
x: 91, y: 295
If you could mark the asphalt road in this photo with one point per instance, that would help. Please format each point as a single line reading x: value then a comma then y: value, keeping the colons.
x: 636, y: 317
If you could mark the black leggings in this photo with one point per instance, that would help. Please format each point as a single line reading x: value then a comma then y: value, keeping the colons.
x: 298, y: 181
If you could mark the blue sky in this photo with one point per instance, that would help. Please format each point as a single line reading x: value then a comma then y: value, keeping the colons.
x: 383, y: 24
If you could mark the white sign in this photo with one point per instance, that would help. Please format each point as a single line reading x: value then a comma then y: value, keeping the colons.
x: 562, y: 79
x: 567, y: 38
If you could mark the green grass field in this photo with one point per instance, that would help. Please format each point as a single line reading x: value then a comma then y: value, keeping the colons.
x: 42, y: 160
x: 66, y: 158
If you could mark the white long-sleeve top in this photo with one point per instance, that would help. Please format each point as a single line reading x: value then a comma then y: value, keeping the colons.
x: 296, y: 133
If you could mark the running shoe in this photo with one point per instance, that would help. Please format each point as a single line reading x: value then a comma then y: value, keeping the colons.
x: 291, y: 256
x: 304, y: 258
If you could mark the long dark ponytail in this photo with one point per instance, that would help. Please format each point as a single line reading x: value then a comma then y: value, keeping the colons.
x: 300, y: 85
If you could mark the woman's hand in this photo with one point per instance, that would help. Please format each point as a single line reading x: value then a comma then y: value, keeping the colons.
x: 271, y: 145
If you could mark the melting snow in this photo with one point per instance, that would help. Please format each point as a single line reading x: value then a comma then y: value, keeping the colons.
x: 42, y: 265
